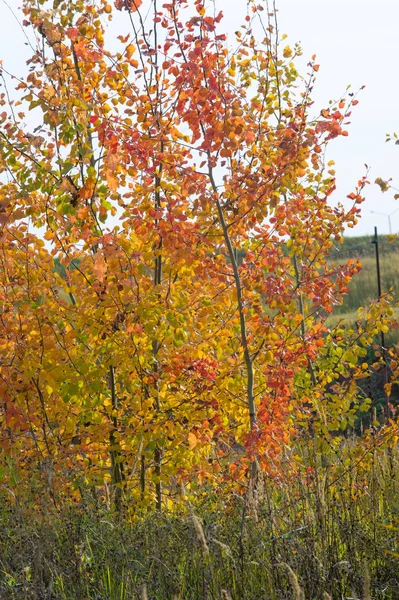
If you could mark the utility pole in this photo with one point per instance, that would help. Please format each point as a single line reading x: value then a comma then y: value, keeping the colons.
x: 377, y: 261
x: 388, y: 216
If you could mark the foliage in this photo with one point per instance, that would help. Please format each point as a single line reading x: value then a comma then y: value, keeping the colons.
x: 180, y: 189
x: 331, y: 525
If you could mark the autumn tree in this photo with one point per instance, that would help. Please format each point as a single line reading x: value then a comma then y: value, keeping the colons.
x: 164, y: 235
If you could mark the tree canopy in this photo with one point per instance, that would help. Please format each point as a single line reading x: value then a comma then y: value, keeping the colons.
x: 164, y: 238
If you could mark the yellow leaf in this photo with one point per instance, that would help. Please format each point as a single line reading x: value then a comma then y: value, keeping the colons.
x: 192, y: 440
x: 287, y: 52
x: 112, y: 181
x: 130, y: 50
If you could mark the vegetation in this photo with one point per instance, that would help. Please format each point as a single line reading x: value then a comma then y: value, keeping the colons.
x: 179, y: 417
x: 333, y: 526
x: 363, y: 288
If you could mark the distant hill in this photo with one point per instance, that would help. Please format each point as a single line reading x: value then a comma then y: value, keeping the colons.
x: 361, y: 246
x: 364, y: 288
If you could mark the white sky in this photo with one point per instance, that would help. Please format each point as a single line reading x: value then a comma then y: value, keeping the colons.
x: 356, y: 43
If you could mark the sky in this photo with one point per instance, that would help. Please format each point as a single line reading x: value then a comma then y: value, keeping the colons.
x: 356, y: 43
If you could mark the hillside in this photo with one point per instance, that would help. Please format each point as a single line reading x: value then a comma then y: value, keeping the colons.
x: 364, y: 287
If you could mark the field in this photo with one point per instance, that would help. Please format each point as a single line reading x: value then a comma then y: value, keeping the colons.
x: 364, y: 287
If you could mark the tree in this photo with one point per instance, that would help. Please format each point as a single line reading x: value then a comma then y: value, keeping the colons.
x: 165, y: 232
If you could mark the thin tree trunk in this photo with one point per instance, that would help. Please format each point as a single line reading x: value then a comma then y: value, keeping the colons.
x: 117, y: 470
x: 155, y: 347
x: 243, y: 326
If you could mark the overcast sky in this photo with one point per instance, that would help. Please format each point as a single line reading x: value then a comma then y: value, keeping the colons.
x: 356, y: 43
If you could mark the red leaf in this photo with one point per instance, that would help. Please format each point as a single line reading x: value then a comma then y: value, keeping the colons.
x: 209, y: 24
x: 72, y: 33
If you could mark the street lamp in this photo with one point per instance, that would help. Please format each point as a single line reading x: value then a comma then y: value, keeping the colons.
x: 386, y: 215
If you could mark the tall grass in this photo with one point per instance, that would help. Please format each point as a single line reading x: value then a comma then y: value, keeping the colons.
x: 328, y: 532
x: 363, y: 289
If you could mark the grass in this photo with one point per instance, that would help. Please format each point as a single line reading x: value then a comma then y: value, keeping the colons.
x: 328, y: 532
x: 363, y: 289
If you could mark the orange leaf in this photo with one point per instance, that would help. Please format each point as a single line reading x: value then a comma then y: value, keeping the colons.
x: 112, y: 181
x: 87, y: 190
x: 130, y: 5
x: 100, y: 267
x: 111, y: 163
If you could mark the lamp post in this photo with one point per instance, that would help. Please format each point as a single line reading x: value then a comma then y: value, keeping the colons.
x: 375, y: 212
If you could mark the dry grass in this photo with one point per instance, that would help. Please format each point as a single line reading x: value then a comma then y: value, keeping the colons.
x: 326, y: 533
x: 363, y: 288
